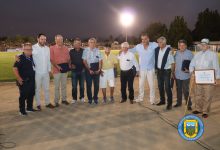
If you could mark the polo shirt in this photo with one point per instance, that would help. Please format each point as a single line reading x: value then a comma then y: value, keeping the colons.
x: 25, y: 67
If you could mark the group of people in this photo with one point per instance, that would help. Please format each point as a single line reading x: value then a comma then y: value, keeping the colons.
x: 33, y: 70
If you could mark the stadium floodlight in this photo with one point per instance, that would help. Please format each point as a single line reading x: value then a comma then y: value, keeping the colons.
x: 126, y: 19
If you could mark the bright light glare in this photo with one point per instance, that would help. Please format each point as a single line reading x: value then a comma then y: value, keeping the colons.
x: 126, y: 19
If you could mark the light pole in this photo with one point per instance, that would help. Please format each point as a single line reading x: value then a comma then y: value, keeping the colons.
x: 126, y: 19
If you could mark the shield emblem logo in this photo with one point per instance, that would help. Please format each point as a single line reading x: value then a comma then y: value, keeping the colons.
x: 190, y: 128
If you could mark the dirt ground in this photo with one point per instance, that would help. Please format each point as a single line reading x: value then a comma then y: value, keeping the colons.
x: 105, y: 126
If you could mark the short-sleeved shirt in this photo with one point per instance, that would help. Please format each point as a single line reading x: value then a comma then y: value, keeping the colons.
x: 109, y: 61
x: 92, y: 55
x: 59, y: 55
x: 25, y: 67
x: 179, y: 58
x: 76, y: 59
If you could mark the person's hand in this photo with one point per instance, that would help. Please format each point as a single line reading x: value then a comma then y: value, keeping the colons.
x: 59, y: 68
x: 97, y: 72
x: 101, y: 73
x: 17, y: 58
x: 192, y: 78
x: 73, y: 66
x: 173, y: 76
x: 20, y: 81
x: 50, y: 74
x: 186, y: 70
x: 156, y: 71
x: 217, y: 82
x: 91, y: 72
x: 137, y: 73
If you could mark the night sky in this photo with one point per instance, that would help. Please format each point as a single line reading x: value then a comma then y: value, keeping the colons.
x: 98, y: 18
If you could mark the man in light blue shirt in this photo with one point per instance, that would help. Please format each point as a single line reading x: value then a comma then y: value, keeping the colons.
x: 92, y: 60
x: 182, y: 75
x: 146, y: 53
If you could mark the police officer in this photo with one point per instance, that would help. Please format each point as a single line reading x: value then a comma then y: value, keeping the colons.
x: 25, y: 75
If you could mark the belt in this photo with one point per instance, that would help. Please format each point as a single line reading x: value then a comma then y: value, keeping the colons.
x: 126, y: 70
x: 164, y: 69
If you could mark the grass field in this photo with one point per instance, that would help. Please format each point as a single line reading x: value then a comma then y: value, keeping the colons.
x: 6, y: 64
x: 7, y: 60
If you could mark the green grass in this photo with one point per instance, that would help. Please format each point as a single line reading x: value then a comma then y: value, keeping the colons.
x: 7, y: 60
x: 6, y: 63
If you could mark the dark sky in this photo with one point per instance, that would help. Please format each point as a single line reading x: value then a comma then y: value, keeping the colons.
x: 99, y: 18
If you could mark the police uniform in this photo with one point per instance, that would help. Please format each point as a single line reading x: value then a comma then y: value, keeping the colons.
x: 27, y: 90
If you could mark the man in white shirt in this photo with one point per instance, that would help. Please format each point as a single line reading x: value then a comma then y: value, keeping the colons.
x: 129, y: 68
x: 41, y: 57
x: 164, y: 64
x: 205, y: 59
x: 146, y: 53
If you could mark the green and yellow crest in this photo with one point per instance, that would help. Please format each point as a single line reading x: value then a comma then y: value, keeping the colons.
x: 190, y: 128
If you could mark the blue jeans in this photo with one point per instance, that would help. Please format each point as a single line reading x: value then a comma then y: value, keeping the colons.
x: 78, y: 77
x: 89, y: 79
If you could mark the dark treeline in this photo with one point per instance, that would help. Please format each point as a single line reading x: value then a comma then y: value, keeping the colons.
x: 207, y: 26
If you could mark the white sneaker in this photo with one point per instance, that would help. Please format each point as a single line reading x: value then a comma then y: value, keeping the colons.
x: 73, y: 101
x: 152, y: 102
x: 82, y: 100
x: 23, y: 114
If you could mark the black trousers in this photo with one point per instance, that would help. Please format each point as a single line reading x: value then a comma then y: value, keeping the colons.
x: 78, y: 77
x: 127, y: 78
x: 27, y: 91
x: 163, y: 78
x: 182, y: 87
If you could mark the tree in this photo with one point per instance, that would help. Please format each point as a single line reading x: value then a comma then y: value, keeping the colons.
x: 156, y: 30
x: 120, y: 38
x: 207, y: 25
x: 178, y: 30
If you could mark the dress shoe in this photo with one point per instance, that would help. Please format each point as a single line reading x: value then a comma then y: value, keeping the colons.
x: 122, y: 101
x: 196, y: 112
x: 65, y: 102
x: 169, y: 107
x: 161, y: 103
x: 50, y: 106
x: 90, y: 102
x: 177, y: 105
x: 205, y: 115
x: 39, y: 108
x: 96, y: 102
x: 131, y: 101
x: 31, y: 110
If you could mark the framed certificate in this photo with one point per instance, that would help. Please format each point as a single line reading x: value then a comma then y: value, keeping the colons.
x: 205, y: 76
